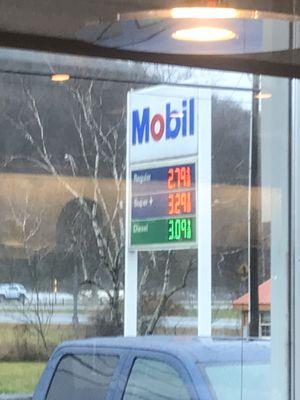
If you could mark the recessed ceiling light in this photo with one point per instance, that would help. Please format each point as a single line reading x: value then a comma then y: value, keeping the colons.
x: 60, y: 77
x: 263, y: 96
x: 204, y: 34
x: 204, y: 13
x: 13, y: 243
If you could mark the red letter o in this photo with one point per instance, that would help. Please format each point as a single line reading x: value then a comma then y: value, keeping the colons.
x: 157, y: 119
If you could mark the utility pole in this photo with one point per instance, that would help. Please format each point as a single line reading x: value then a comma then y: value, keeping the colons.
x: 255, y: 212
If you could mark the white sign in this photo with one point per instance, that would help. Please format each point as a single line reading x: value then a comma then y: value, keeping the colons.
x: 165, y: 122
x: 167, y: 127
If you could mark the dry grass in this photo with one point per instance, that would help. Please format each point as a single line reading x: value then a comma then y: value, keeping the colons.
x: 21, y: 342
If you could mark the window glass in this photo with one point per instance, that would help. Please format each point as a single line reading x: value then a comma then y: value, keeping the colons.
x: 266, y: 317
x: 154, y: 380
x: 64, y: 130
x: 233, y: 382
x: 265, y: 324
x: 82, y: 377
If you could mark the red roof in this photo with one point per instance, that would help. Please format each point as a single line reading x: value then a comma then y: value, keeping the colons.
x: 264, y: 296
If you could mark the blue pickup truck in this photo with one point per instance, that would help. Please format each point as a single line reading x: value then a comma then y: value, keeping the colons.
x: 157, y: 368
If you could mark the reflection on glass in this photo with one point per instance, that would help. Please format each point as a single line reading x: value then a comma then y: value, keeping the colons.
x: 62, y: 208
x: 231, y: 382
x: 82, y: 376
x: 154, y: 380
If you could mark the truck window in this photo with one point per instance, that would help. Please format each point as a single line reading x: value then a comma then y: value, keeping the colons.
x: 250, y: 381
x: 79, y: 377
x: 154, y: 380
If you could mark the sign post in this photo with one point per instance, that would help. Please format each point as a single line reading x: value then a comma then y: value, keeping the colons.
x: 168, y: 188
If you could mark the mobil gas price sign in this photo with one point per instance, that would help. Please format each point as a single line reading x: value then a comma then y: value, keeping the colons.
x: 163, y: 138
x: 163, y: 123
x: 163, y: 205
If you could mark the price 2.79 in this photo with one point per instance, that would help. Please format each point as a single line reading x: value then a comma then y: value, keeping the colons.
x: 179, y: 177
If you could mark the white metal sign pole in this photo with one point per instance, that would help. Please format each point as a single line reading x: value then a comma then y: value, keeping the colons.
x: 130, y: 298
x: 204, y: 215
x: 131, y: 257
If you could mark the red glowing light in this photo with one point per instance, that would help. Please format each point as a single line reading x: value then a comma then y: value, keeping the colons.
x: 179, y: 177
x: 179, y: 203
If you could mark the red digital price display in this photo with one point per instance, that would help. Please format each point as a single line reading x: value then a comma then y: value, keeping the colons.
x: 179, y: 177
x: 179, y: 203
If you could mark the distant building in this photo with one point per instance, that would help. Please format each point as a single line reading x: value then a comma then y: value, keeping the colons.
x: 264, y: 296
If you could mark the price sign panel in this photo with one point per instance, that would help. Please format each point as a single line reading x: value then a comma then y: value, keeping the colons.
x: 163, y: 206
x: 168, y: 186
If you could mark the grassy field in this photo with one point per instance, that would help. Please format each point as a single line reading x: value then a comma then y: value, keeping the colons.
x: 9, y: 333
x: 218, y: 314
x: 21, y: 342
x: 19, y: 377
x: 227, y: 314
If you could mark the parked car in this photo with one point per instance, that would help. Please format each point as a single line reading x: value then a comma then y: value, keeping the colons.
x: 12, y: 291
x: 155, y: 368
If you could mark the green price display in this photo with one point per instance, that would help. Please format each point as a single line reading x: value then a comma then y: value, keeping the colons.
x: 180, y: 229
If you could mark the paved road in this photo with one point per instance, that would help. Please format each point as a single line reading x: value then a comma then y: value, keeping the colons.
x: 191, y: 322
x: 57, y: 319
x: 169, y: 322
x: 11, y: 312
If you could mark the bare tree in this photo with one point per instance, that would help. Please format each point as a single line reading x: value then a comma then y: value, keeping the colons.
x: 102, y: 153
x: 108, y: 145
x: 36, y: 310
x: 168, y: 289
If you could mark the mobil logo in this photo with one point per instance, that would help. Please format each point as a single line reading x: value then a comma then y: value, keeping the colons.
x: 171, y: 124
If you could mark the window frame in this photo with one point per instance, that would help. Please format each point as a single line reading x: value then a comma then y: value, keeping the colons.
x: 263, y: 324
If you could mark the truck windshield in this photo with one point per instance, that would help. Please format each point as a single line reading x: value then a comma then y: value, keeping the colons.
x: 236, y: 381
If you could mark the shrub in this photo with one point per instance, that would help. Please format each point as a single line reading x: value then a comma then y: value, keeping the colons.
x: 102, y: 325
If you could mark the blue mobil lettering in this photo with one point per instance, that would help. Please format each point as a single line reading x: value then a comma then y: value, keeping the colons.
x: 171, y: 124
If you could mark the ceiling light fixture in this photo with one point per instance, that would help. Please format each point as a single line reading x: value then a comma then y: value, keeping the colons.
x: 204, y: 13
x: 263, y: 96
x: 60, y: 77
x: 215, y: 12
x: 204, y: 34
